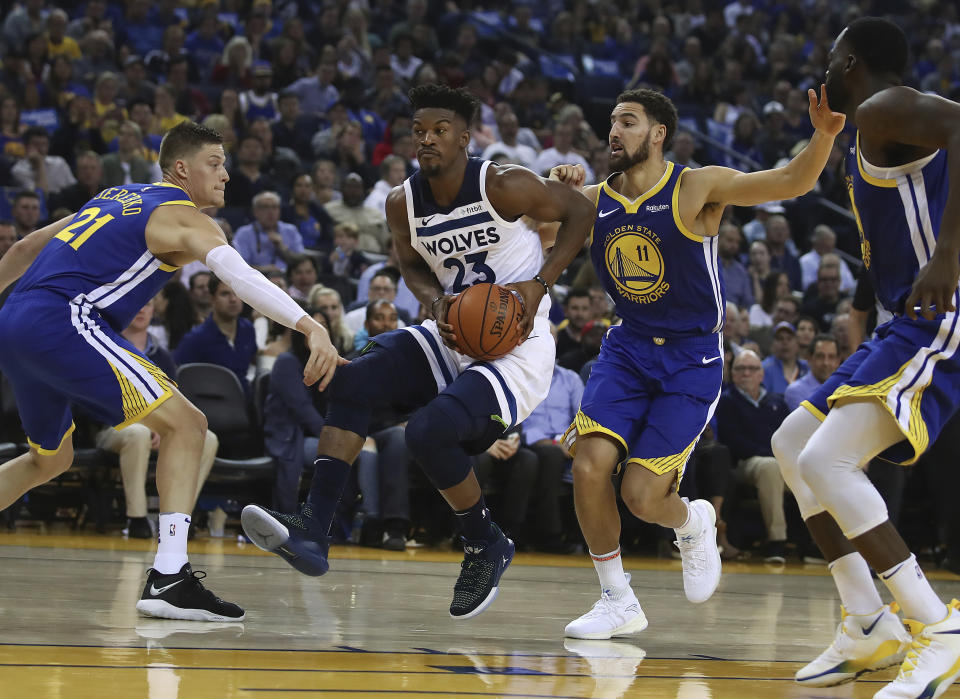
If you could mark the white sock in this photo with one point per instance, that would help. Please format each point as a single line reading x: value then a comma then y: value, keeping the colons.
x: 858, y: 594
x: 909, y: 586
x: 610, y: 570
x: 692, y: 525
x: 172, y: 551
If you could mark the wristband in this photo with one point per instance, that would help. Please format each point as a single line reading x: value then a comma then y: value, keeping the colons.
x: 546, y: 287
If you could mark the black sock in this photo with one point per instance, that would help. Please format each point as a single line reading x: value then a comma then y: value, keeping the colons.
x: 329, y: 479
x: 475, y: 522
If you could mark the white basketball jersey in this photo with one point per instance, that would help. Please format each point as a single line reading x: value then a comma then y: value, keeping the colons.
x: 469, y: 242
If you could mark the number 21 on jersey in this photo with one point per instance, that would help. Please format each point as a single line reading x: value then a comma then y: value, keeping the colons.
x: 85, y: 225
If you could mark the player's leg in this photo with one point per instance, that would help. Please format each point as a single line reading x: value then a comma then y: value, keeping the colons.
x: 870, y: 635
x: 832, y: 463
x: 394, y: 371
x: 33, y: 468
x: 209, y: 454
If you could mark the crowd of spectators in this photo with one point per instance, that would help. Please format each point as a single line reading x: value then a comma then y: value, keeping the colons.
x: 309, y: 96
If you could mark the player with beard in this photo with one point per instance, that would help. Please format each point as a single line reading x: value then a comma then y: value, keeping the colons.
x: 893, y: 396
x: 657, y: 380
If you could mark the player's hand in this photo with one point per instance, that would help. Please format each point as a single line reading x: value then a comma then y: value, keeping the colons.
x: 501, y: 450
x: 530, y: 292
x: 438, y: 311
x: 821, y: 116
x: 323, y: 360
x: 573, y: 175
x: 934, y: 287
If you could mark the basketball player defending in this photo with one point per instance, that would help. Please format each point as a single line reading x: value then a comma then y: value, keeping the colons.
x: 60, y: 342
x: 894, y: 394
x: 657, y: 379
x: 456, y: 222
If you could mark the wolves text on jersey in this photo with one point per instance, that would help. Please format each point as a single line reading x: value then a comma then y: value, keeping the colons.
x: 461, y: 241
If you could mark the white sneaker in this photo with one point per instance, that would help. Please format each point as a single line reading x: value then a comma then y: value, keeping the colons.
x: 864, y: 643
x: 700, y: 556
x: 616, y: 613
x: 932, y: 662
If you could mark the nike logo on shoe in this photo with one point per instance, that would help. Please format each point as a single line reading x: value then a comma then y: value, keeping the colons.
x: 709, y: 361
x: 605, y: 213
x: 504, y: 560
x: 868, y: 629
x: 154, y: 590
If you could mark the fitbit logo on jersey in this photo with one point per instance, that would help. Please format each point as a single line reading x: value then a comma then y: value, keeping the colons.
x: 461, y: 241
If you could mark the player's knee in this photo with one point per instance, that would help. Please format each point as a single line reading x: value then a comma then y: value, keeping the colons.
x: 814, y: 466
x: 787, y: 457
x: 49, y: 466
x: 643, y: 503
x: 429, y: 428
x: 590, y: 472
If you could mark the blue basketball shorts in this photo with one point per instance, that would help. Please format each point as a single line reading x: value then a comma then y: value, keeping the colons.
x: 912, y: 369
x: 652, y: 396
x: 58, y: 353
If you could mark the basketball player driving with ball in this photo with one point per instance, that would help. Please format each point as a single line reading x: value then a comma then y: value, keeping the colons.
x: 455, y: 223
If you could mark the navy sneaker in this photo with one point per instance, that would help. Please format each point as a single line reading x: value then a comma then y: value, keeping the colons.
x: 296, y: 538
x: 483, y: 564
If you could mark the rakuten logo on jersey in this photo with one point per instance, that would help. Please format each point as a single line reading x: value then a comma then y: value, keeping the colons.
x: 654, y: 208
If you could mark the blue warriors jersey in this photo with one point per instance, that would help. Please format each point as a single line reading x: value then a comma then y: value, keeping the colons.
x: 898, y: 212
x: 468, y: 242
x: 664, y: 279
x: 101, y: 259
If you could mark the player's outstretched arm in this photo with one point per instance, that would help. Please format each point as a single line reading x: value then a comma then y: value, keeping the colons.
x: 723, y: 186
x: 515, y: 192
x: 934, y: 122
x: 420, y: 279
x: 21, y: 254
x: 180, y: 234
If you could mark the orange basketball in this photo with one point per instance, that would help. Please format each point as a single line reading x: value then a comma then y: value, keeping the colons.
x: 485, y: 319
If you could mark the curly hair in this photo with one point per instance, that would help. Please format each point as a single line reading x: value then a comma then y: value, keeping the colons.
x: 459, y: 101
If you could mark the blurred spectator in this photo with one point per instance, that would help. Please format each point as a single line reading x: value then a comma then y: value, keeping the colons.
x: 345, y: 260
x: 260, y: 102
x: 577, y: 311
x: 386, y: 98
x: 370, y: 223
x: 778, y: 233
x: 823, y: 362
x: 174, y: 315
x: 743, y: 141
x: 220, y: 124
x: 508, y: 127
x: 316, y: 91
x: 783, y: 367
x: 279, y: 165
x: 98, y: 58
x: 141, y: 114
x: 772, y: 143
x: 807, y: 330
x: 382, y: 286
x: 127, y: 164
x: 25, y: 212
x: 224, y: 338
x: 310, y: 218
x: 187, y: 99
x: 561, y: 153
x: 402, y: 60
x: 821, y: 303
x: 88, y: 184
x: 199, y: 284
x: 405, y: 302
x: 326, y: 182
x: 591, y: 338
x: 233, y: 70
x: 739, y: 286
x: 393, y: 171
x: 756, y: 229
x: 8, y: 236
x: 58, y: 43
x: 25, y: 19
x: 329, y: 301
x: 158, y: 61
x: 77, y: 132
x: 293, y: 129
x: 776, y: 286
x: 134, y: 84
x: 246, y: 177
x: 37, y: 169
x: 204, y: 46
x: 11, y: 130
x: 268, y: 241
x: 840, y: 329
x: 301, y: 276
x: 682, y: 150
x: 164, y: 102
x: 138, y: 31
x: 380, y: 316
x: 230, y: 107
x: 107, y: 112
x: 824, y: 243
x: 747, y: 417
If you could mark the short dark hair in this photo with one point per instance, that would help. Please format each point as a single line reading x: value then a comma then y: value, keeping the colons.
x: 213, y: 284
x: 35, y: 131
x: 879, y: 43
x: 825, y: 337
x: 296, y: 261
x: 196, y: 275
x: 389, y: 271
x: 658, y: 108
x: 580, y: 293
x: 183, y: 140
x: 372, y: 306
x: 25, y: 194
x: 459, y: 101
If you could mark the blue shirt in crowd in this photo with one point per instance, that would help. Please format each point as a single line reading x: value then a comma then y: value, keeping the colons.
x: 255, y: 246
x: 800, y: 390
x: 554, y: 415
x: 773, y: 378
x: 206, y: 343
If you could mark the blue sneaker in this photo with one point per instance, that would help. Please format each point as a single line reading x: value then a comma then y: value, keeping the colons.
x: 483, y: 564
x: 294, y: 537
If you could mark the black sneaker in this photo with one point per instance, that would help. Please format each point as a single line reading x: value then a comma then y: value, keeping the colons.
x: 483, y: 564
x: 139, y: 528
x: 775, y: 552
x: 182, y: 596
x: 295, y: 538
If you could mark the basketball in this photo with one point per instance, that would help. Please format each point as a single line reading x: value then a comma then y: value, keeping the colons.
x: 485, y: 319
